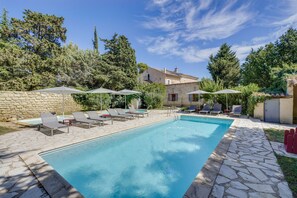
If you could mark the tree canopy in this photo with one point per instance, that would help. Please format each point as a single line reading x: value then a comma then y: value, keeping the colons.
x: 32, y: 57
x: 39, y: 33
x: 224, y: 66
x: 269, y: 66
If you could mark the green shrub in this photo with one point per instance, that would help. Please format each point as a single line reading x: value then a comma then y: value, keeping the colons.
x: 152, y: 95
x: 254, y: 99
x: 93, y: 101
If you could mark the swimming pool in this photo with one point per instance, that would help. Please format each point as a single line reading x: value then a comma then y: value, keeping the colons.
x: 160, y: 160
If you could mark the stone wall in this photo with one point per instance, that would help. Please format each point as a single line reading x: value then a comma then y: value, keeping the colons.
x: 21, y: 105
x: 181, y: 89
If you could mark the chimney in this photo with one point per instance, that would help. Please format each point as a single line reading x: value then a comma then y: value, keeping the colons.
x: 165, y: 70
x: 176, y: 70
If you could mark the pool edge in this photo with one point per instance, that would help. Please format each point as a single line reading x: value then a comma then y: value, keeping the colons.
x: 203, y: 183
x: 57, y: 186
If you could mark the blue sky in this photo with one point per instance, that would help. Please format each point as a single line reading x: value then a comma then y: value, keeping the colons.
x: 167, y: 33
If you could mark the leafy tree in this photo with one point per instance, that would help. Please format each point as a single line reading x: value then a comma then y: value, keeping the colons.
x: 21, y: 70
x: 75, y: 67
x: 152, y: 94
x: 243, y: 97
x: 212, y: 86
x: 120, y: 57
x: 268, y: 66
x: 224, y: 66
x: 5, y: 28
x: 287, y: 46
x: 258, y: 67
x: 39, y: 33
x: 142, y: 67
x: 95, y: 41
x: 280, y: 75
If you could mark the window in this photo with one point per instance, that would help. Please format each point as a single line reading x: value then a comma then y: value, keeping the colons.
x: 193, y: 98
x: 168, y: 82
x: 173, y: 97
x: 148, y: 77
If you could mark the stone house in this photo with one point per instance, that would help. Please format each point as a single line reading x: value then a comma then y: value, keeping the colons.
x: 166, y: 76
x: 177, y: 85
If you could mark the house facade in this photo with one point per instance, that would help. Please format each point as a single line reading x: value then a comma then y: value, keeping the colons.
x: 177, y: 85
x: 166, y: 77
x: 176, y: 94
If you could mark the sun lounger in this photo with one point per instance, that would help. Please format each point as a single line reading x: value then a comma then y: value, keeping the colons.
x: 93, y: 115
x: 217, y: 109
x: 132, y: 110
x: 236, y: 110
x: 205, y: 109
x: 81, y: 118
x: 114, y: 114
x: 51, y: 121
x: 192, y: 108
x: 122, y: 112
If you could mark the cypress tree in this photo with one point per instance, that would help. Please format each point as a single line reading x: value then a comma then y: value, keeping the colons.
x: 95, y: 41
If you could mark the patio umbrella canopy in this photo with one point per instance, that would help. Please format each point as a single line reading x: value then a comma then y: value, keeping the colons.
x: 199, y: 92
x: 227, y: 91
x: 101, y: 91
x: 61, y: 90
x: 126, y: 92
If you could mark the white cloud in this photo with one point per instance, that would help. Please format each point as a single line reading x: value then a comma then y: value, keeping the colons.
x: 216, y: 24
x: 188, y: 22
x: 243, y: 50
x: 160, y: 23
x: 164, y: 45
x: 160, y: 2
x: 195, y: 55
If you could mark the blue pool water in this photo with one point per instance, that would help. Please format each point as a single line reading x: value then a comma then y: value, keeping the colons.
x: 160, y: 160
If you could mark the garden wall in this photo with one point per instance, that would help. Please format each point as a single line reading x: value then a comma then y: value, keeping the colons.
x: 16, y: 105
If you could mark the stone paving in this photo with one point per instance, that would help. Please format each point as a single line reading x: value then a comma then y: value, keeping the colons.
x: 16, y: 179
x: 250, y: 168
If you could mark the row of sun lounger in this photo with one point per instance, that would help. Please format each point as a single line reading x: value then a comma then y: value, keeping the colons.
x: 217, y: 109
x: 51, y: 121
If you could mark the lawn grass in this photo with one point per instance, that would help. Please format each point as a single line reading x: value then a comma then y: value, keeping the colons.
x: 275, y: 135
x: 289, y: 168
x: 4, y: 130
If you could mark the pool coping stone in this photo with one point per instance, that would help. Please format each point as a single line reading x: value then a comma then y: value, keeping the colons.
x: 203, y: 183
x: 57, y: 186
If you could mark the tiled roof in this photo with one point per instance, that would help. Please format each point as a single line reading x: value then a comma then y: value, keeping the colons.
x: 176, y: 73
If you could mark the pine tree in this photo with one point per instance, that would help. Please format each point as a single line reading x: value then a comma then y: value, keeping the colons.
x: 224, y: 66
x: 121, y: 56
x: 95, y: 41
x: 39, y: 33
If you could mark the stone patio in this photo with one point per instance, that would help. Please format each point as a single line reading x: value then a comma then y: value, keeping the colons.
x: 248, y: 169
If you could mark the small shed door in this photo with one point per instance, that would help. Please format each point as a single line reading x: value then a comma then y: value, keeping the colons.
x: 272, y: 111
